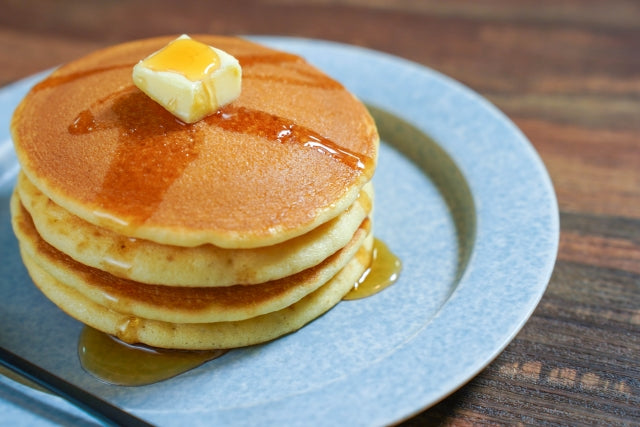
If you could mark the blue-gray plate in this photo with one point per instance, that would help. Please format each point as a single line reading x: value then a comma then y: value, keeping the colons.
x: 461, y: 197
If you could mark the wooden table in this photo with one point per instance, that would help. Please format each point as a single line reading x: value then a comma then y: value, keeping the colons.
x: 566, y: 72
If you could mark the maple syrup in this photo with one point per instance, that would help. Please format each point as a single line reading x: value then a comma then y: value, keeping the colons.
x: 192, y: 59
x: 143, y: 159
x: 278, y: 129
x: 116, y: 362
x: 382, y: 272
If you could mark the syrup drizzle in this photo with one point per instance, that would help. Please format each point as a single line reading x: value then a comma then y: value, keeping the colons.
x: 144, y: 166
x: 278, y: 129
x: 307, y: 77
x: 271, y: 58
x: 57, y: 80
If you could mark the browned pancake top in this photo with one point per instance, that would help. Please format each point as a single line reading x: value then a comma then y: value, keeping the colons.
x: 287, y: 155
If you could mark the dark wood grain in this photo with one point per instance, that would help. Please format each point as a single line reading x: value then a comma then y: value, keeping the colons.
x: 566, y: 72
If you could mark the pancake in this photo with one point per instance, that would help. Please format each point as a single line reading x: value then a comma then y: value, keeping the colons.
x: 231, y: 231
x: 178, y: 304
x: 291, y: 153
x: 202, y: 336
x: 205, y: 265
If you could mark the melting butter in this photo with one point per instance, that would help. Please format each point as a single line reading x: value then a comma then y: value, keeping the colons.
x: 189, y: 79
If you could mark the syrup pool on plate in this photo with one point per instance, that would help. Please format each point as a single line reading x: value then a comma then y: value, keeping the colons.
x: 116, y: 362
x: 382, y: 272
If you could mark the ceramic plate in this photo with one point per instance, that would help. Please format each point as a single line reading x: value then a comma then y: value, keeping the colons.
x: 461, y: 197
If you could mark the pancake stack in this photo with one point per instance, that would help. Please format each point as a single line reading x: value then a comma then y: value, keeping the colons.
x: 227, y: 232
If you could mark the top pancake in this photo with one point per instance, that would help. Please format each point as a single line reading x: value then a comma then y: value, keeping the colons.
x: 291, y: 153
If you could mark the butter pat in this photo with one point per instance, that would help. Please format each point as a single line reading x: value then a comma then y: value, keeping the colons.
x: 189, y: 79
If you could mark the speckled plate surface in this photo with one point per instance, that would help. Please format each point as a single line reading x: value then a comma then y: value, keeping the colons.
x: 461, y: 197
